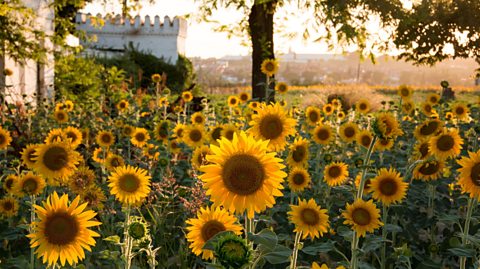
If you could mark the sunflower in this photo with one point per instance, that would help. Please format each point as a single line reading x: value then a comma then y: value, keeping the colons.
x: 387, y: 125
x: 269, y: 67
x: 105, y: 139
x: 56, y: 160
x: 348, y: 132
x: 272, y: 123
x: 427, y: 109
x: 312, y: 115
x: 8, y: 207
x: 244, y: 97
x: 94, y: 196
x: 122, y: 105
x: 384, y: 144
x: 428, y: 170
x: 59, y: 106
x: 341, y: 115
x: 335, y: 173
x: 209, y: 222
x: 151, y: 151
x: 298, y: 153
x: 194, y: 136
x: 433, y: 98
x: 362, y: 216
x: 323, y: 134
x: 179, y: 131
x: 60, y: 116
x: 9, y: 183
x: 215, y: 133
x: 100, y: 155
x: 298, y: 179
x: 81, y: 179
x: 421, y: 149
x: 232, y: 101
x: 309, y: 219
x: 29, y: 184
x: 428, y: 128
x: 405, y: 92
x: 199, y: 156
x: 113, y: 161
x: 162, y: 130
x: 62, y: 230
x: 129, y: 184
x: 140, y: 137
x: 469, y: 178
x: 187, y: 96
x: 364, y: 138
x: 128, y: 130
x: 362, y: 106
x: 5, y: 138
x: 198, y: 118
x: 56, y: 134
x: 174, y: 146
x: 254, y: 105
x: 367, y: 185
x: 328, y: 109
x: 281, y: 87
x: 446, y: 144
x: 448, y: 115
x: 243, y: 176
x: 408, y: 106
x: 388, y: 186
x: 28, y: 155
x: 460, y: 111
x: 74, y: 135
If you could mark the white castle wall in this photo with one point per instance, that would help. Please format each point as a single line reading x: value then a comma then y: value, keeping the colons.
x: 161, y: 38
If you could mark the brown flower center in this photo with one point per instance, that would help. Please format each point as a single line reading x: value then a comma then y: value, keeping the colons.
x: 55, y: 158
x: 429, y: 168
x: 388, y: 186
x: 405, y: 92
x: 459, y: 110
x: 366, y: 140
x: 129, y: 183
x: 29, y: 185
x: 361, y: 216
x: 140, y: 137
x: 349, y: 132
x: 423, y: 150
x: 298, y: 179
x: 243, y: 174
x: 363, y: 106
x: 229, y: 134
x: 271, y: 127
x: 106, y: 138
x: 475, y: 174
x: 195, y: 135
x: 445, y: 143
x: 313, y: 116
x: 310, y: 216
x: 3, y: 139
x: 61, y: 228
x: 323, y: 134
x: 299, y: 153
x: 334, y: 171
x: 7, y: 206
x: 211, y: 228
x: 429, y: 128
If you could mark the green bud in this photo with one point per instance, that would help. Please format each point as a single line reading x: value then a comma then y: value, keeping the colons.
x: 232, y: 251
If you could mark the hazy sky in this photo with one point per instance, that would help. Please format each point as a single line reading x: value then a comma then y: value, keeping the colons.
x: 204, y: 42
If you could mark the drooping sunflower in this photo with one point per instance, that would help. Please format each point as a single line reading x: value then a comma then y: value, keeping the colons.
x: 428, y: 128
x: 460, y: 111
x: 162, y: 130
x: 94, y: 196
x: 298, y: 153
x: 363, y: 216
x: 405, y: 92
x: 387, y: 125
x: 122, y: 105
x: 244, y: 97
x: 179, y: 131
x: 215, y: 134
x: 105, y: 139
x: 28, y: 155
x: 388, y: 186
x: 281, y: 87
x: 446, y: 144
x: 140, y: 137
x: 328, y: 109
x: 384, y: 144
x: 364, y: 138
x: 362, y: 106
x: 233, y: 101
x: 199, y: 156
x: 309, y: 219
x: 269, y: 67
x: 62, y: 230
x: 243, y: 176
x: 421, y: 149
x: 348, y: 132
x: 5, y: 138
x: 272, y: 123
x: 82, y: 178
x: 187, y: 96
x: 9, y: 183
x: 428, y: 170
x: 313, y: 115
x: 408, y: 106
x: 433, y: 98
x: 28, y: 184
x: 8, y: 207
x: 74, y: 135
x: 113, y: 161
x: 469, y: 179
x: 56, y: 160
x: 194, y: 135
x: 198, y: 118
x: 228, y: 131
x: 335, y: 174
x: 209, y: 222
x: 129, y: 184
x: 323, y: 134
x: 298, y: 179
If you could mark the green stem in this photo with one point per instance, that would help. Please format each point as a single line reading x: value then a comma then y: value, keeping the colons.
x: 32, y: 220
x: 466, y: 229
x: 293, y: 261
x: 384, y: 237
x: 364, y: 171
x: 127, y: 246
x: 353, y: 262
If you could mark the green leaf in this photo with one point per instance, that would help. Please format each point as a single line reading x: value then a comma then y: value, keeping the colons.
x: 372, y: 243
x: 280, y: 254
x: 393, y: 228
x: 266, y: 240
x: 319, y: 248
x: 114, y: 238
x: 462, y: 252
x: 210, y: 244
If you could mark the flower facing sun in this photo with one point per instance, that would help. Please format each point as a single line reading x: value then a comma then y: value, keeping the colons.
x: 313, y: 115
x: 28, y: 184
x: 269, y: 67
x: 28, y: 156
x: 469, y: 179
x: 140, y: 137
x: 243, y: 176
x: 362, y: 106
x: 388, y: 186
x: 309, y: 219
x: 362, y: 216
x: 5, y: 138
x: 335, y: 174
x: 446, y: 144
x: 298, y: 179
x: 56, y: 160
x: 8, y: 207
x: 323, y: 134
x: 62, y: 231
x: 298, y: 153
x: 348, y: 132
x: 105, y: 139
x: 129, y: 184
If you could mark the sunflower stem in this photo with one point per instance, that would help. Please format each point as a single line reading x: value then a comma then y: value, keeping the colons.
x: 384, y: 237
x: 353, y: 262
x: 293, y: 261
x: 30, y: 228
x: 127, y: 246
x: 364, y: 171
x: 466, y: 229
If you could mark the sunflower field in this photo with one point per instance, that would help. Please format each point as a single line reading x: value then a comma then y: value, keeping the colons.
x: 140, y: 179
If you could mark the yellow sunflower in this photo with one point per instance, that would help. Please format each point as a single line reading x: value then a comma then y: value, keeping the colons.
x: 179, y: 131
x: 122, y: 105
x: 60, y: 116
x: 366, y: 186
x: 272, y: 123
x: 408, y: 106
x: 198, y: 118
x: 56, y: 160
x: 460, y: 111
x: 388, y: 186
x: 428, y: 170
x: 82, y: 178
x: 269, y: 67
x: 56, y: 134
x: 9, y: 183
x: 209, y: 222
x: 433, y: 98
x: 384, y: 144
x: 364, y: 138
x: 363, y: 216
x: 232, y: 101
x: 162, y: 130
x: 341, y: 115
x: 113, y: 161
x: 421, y: 149
x: 94, y: 196
x: 105, y: 139
x: 199, y: 156
x: 309, y: 219
x: 469, y: 178
x: 254, y: 105
x: 228, y: 131
x: 8, y: 207
x: 388, y: 125
x: 428, y: 128
x: 140, y: 137
x: 5, y: 138
x: 405, y: 92
x: 28, y: 155
x: 348, y: 132
x: 323, y: 134
x: 244, y: 97
x: 362, y: 106
x: 187, y: 96
x: 128, y: 130
x: 215, y: 133
x: 29, y: 184
x: 427, y: 109
x: 281, y: 87
x: 174, y: 146
x: 313, y: 115
x: 298, y: 154
x: 74, y: 135
x: 68, y: 105
x: 129, y: 184
x: 194, y: 136
x: 62, y: 230
x: 328, y: 109
x: 446, y: 144
x: 448, y: 116
x: 298, y: 179
x: 100, y: 155
x: 243, y: 176
x: 335, y: 173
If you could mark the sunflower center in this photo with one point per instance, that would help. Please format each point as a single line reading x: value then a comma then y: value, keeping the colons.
x: 140, y: 137
x: 310, y: 216
x: 271, y: 127
x: 72, y: 136
x: 405, y: 92
x: 8, y: 206
x: 123, y: 105
x: 423, y: 150
x: 475, y: 174
x: 55, y: 158
x: 429, y: 168
x: 29, y: 185
x: 2, y: 139
x: 361, y: 216
x: 349, y: 132
x: 115, y: 162
x: 233, y: 101
x: 9, y: 183
x: 366, y: 140
x: 323, y: 134
x: 269, y: 67
x: 198, y: 119
x: 313, y: 116
x: 328, y: 109
x: 334, y: 171
x: 445, y: 143
x: 428, y: 108
x: 195, y: 135
x: 106, y: 139
x: 163, y: 131
x: 229, y: 134
x: 298, y: 179
x: 243, y: 174
x: 388, y: 186
x: 299, y: 153
x: 129, y: 183
x: 362, y: 106
x: 61, y: 228
x: 211, y: 228
x: 429, y: 128
x: 60, y: 116
x: 459, y: 110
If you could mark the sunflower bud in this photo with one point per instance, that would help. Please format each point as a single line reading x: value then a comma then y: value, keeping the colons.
x: 138, y: 229
x: 232, y: 251
x: 166, y: 91
x: 156, y: 78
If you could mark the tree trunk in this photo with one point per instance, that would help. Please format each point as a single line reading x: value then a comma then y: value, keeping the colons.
x: 260, y: 22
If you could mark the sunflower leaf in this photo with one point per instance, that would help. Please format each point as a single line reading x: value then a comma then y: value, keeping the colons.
x: 266, y: 240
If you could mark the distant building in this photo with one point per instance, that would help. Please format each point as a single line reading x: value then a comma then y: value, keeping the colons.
x: 164, y: 39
